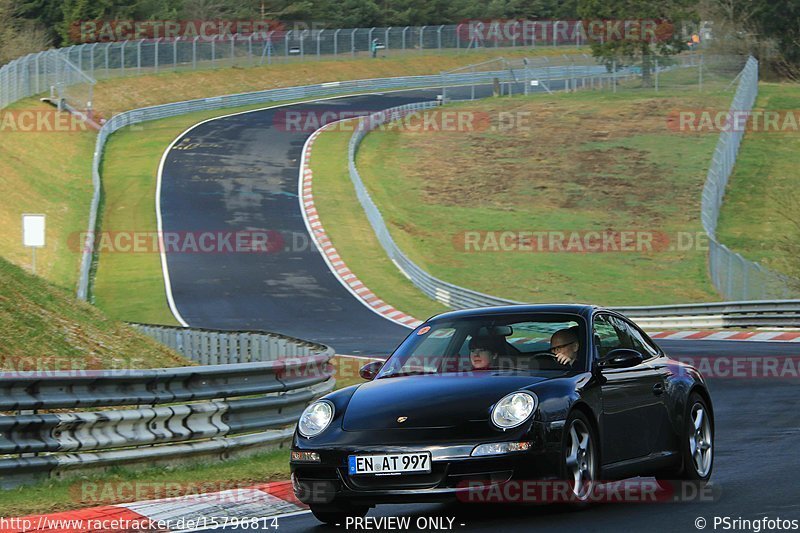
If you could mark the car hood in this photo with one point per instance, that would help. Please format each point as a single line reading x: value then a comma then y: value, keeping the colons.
x: 430, y: 401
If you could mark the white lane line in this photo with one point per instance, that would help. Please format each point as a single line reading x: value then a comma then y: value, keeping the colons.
x: 164, y: 267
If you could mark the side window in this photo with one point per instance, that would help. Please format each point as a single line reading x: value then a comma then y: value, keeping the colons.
x: 638, y: 341
x: 606, y: 335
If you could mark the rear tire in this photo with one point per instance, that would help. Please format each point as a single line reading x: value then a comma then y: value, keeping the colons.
x: 697, y: 441
x: 337, y: 515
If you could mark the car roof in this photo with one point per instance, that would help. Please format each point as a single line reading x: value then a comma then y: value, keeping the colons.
x: 584, y: 310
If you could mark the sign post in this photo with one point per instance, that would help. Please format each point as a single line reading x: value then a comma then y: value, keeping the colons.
x: 33, y: 234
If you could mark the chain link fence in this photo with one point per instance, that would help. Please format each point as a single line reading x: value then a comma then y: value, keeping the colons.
x: 735, y: 277
x: 38, y: 73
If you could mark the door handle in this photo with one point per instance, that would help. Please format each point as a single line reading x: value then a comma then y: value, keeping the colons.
x: 658, y: 389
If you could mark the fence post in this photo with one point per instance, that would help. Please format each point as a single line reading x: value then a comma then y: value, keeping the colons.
x: 404, y: 38
x: 194, y: 52
x: 656, y: 66
x: 421, y: 43
x: 439, y: 37
x: 614, y: 74
x: 319, y: 41
x: 155, y: 55
x: 353, y: 42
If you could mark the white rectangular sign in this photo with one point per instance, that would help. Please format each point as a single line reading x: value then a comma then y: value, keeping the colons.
x: 33, y: 230
x: 534, y: 83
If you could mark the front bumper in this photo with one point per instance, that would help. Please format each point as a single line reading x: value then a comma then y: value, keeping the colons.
x: 454, y: 475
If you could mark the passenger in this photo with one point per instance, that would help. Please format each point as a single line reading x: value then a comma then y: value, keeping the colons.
x: 565, y: 345
x: 481, y: 354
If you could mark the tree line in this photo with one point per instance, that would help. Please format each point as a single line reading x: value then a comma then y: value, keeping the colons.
x: 769, y: 29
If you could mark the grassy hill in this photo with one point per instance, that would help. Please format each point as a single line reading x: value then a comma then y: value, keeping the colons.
x: 46, y: 329
x: 591, y: 162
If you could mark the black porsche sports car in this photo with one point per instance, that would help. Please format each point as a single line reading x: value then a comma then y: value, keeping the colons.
x: 492, y: 396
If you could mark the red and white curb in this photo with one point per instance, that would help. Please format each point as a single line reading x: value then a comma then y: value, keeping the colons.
x: 256, y: 505
x: 716, y: 335
x: 337, y: 266
x: 356, y: 287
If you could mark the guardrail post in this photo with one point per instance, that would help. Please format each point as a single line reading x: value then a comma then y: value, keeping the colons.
x: 214, y: 348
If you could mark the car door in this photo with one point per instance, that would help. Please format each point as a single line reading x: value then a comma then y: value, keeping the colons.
x: 663, y: 437
x: 631, y: 408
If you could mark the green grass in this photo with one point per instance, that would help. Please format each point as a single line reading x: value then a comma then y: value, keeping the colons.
x: 46, y: 329
x: 116, y: 485
x: 762, y: 196
x: 592, y: 161
x: 45, y: 172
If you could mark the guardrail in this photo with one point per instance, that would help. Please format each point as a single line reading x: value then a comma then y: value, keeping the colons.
x: 718, y: 314
x: 137, y: 116
x: 217, y: 347
x: 153, y: 416
x: 36, y: 73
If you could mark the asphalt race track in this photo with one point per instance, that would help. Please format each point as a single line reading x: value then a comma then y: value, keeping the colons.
x: 240, y: 173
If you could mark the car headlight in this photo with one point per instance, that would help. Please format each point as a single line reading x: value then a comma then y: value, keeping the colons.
x: 315, y: 418
x: 514, y: 409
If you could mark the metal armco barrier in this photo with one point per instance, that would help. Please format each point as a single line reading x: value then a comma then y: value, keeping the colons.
x: 218, y: 347
x: 36, y: 73
x: 781, y: 313
x: 168, y: 413
x: 137, y: 116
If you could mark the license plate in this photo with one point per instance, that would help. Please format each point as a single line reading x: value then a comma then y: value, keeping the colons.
x: 395, y: 463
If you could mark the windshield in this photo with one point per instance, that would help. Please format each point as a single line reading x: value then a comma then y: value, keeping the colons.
x: 538, y: 343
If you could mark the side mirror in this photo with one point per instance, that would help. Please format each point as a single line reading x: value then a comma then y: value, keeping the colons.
x: 370, y: 370
x: 621, y: 358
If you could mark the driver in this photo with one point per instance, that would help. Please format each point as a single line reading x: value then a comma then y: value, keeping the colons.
x: 565, y: 345
x: 482, y: 354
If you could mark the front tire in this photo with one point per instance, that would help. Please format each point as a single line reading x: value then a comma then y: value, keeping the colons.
x: 579, y: 457
x: 337, y: 515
